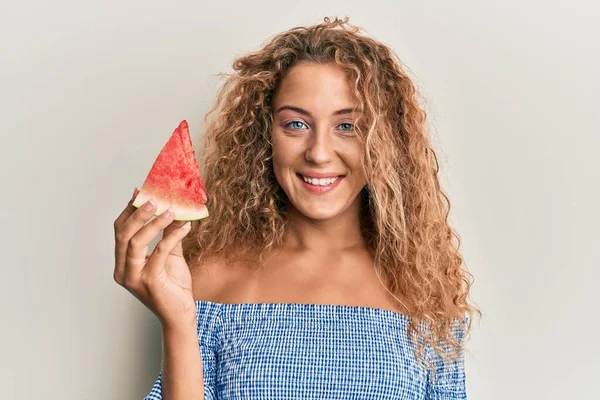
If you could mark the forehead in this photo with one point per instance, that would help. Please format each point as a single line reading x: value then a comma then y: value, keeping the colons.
x: 315, y: 87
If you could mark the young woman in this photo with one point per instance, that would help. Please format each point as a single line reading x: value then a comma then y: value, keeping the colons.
x: 327, y: 268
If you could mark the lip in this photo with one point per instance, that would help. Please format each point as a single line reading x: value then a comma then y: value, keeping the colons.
x: 319, y: 189
x: 320, y: 175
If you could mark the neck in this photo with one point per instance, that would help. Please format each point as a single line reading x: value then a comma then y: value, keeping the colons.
x: 339, y: 233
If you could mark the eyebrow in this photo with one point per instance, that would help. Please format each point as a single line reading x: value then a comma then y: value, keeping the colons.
x: 304, y: 112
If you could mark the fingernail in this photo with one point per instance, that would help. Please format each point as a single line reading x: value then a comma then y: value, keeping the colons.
x: 187, y: 225
x: 169, y: 212
x: 149, y: 205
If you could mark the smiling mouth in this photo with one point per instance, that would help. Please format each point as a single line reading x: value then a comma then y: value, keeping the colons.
x: 319, y: 186
x: 319, y: 181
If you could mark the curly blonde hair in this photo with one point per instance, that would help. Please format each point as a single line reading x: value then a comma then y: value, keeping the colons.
x: 404, y: 217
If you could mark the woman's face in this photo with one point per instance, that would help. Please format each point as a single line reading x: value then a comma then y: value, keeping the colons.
x: 316, y: 153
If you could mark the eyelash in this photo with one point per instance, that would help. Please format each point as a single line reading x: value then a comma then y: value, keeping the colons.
x: 343, y: 123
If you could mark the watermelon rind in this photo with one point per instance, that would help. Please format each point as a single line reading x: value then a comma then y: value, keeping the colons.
x: 182, y: 212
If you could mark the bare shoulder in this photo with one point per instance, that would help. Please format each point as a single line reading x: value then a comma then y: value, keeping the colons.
x: 211, y: 278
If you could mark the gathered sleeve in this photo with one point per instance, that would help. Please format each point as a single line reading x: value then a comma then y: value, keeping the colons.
x: 208, y: 318
x: 449, y: 380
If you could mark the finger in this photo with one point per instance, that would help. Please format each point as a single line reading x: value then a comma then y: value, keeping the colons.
x: 163, y: 249
x: 123, y: 235
x: 127, y: 211
x: 121, y: 249
x: 178, y: 249
x: 140, y: 242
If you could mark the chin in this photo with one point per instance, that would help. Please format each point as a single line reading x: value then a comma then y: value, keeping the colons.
x: 317, y: 212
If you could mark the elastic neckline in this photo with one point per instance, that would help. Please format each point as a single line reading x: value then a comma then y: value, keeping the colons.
x: 310, y: 306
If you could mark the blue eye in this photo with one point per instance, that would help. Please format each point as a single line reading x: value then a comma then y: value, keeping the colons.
x: 296, y: 125
x: 347, y: 126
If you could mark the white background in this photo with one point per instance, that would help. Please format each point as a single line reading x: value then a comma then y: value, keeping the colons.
x: 90, y: 91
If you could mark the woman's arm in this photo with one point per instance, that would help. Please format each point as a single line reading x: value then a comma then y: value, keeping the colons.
x: 182, y: 377
x: 189, y: 360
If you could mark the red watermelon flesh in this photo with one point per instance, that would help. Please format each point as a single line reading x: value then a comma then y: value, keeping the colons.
x: 174, y: 179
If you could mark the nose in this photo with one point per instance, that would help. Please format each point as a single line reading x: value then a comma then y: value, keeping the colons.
x: 320, y: 147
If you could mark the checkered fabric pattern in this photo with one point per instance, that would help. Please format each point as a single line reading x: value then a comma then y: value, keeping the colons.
x: 315, y: 351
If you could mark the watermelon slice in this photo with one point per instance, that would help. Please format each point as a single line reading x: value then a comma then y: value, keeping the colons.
x: 174, y: 179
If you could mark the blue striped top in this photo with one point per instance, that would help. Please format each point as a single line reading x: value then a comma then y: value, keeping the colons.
x: 315, y: 351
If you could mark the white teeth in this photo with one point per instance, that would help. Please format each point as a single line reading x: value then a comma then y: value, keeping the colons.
x: 320, y: 182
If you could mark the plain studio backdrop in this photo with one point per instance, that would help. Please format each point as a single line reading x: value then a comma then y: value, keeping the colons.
x: 91, y: 90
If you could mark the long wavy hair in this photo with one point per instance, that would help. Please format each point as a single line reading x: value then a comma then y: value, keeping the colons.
x: 404, y: 217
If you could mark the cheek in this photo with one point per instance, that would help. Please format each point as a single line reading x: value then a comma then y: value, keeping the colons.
x: 285, y: 152
x: 280, y: 158
x: 352, y: 156
x: 276, y: 145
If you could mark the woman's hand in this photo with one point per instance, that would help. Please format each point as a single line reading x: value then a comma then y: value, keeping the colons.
x: 161, y: 280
